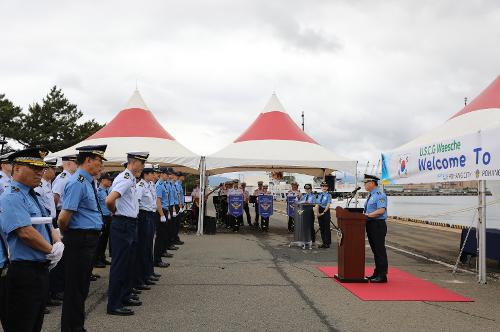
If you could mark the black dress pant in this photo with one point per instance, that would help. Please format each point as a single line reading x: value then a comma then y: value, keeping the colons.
x: 246, y: 208
x: 256, y: 223
x: 265, y: 224
x: 162, y: 240
x: 79, y: 253
x: 27, y: 285
x: 376, y: 231
x: 177, y: 224
x: 291, y: 224
x: 103, y: 239
x: 324, y: 227
x: 144, y: 255
x: 3, y: 299
x: 123, y: 235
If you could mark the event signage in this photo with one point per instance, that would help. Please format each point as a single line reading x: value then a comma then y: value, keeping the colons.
x: 265, y: 205
x: 471, y: 157
x: 235, y: 205
x: 290, y: 203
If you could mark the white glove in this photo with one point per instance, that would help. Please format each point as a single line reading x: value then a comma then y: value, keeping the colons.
x: 174, y: 214
x: 56, y: 254
x: 163, y: 219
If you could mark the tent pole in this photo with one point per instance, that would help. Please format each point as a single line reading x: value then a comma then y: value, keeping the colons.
x: 356, y: 185
x: 481, y: 231
x: 202, y: 197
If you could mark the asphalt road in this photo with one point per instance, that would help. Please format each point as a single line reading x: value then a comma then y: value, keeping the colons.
x: 254, y: 282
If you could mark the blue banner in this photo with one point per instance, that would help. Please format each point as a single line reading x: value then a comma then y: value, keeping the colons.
x: 290, y: 204
x: 235, y: 205
x: 265, y: 205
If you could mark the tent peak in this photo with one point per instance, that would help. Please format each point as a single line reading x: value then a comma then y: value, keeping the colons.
x: 136, y: 101
x: 273, y: 105
x: 489, y: 98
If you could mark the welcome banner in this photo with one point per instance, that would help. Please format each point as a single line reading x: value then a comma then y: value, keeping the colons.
x: 471, y: 157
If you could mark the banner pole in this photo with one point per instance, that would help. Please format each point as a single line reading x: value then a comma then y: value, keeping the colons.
x: 481, y: 230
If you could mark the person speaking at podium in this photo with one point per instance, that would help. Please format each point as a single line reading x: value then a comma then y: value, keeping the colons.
x: 376, y: 227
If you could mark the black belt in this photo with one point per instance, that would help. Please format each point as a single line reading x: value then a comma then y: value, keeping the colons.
x: 37, y: 264
x: 126, y: 218
x: 83, y: 231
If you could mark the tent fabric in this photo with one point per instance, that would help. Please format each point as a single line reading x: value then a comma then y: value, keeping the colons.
x: 274, y: 142
x: 135, y: 128
x: 483, y: 113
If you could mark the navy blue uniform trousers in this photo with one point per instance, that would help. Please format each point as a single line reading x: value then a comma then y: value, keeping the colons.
x: 123, y: 234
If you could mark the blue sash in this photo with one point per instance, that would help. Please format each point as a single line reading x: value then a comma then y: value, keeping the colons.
x: 235, y: 205
x: 265, y: 205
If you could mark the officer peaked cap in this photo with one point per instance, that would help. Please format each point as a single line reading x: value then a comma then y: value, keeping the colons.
x: 30, y: 156
x: 143, y: 156
x: 96, y: 150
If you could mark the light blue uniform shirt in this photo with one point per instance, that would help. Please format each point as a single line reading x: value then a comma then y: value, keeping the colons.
x: 102, y: 193
x: 324, y: 199
x: 5, y: 181
x: 376, y: 200
x: 17, y: 207
x: 180, y: 190
x: 146, y: 198
x: 163, y: 194
x: 128, y: 204
x: 58, y: 186
x: 174, y: 199
x: 308, y: 198
x: 79, y: 197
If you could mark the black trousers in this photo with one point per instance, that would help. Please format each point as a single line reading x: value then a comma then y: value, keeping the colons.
x: 103, y: 239
x: 56, y: 275
x: 265, y: 223
x: 376, y: 230
x: 256, y: 223
x: 123, y: 233
x: 291, y: 224
x: 79, y: 251
x: 246, y: 208
x: 3, y: 299
x: 162, y: 240
x: 324, y: 227
x: 27, y: 286
x: 144, y: 257
x: 177, y: 224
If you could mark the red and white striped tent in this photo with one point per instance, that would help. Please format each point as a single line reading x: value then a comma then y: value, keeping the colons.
x: 274, y: 142
x: 135, y: 128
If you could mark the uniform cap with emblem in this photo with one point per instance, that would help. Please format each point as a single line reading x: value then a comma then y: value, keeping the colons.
x: 143, y: 156
x: 307, y: 186
x: 148, y: 168
x: 324, y: 184
x: 31, y: 157
x: 4, y: 159
x: 51, y: 162
x: 260, y: 182
x: 157, y: 168
x: 371, y: 178
x: 164, y: 170
x: 106, y: 176
x: 96, y: 150
x: 71, y: 157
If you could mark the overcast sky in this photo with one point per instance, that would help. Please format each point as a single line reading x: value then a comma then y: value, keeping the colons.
x: 370, y: 75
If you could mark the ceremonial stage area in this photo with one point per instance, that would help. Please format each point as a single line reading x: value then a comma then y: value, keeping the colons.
x: 251, y: 281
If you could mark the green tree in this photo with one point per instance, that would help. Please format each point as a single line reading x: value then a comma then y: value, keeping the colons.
x: 10, y: 121
x: 53, y: 124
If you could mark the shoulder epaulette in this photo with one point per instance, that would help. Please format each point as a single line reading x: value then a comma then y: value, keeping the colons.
x: 14, y: 189
x: 126, y: 175
x: 81, y: 178
x: 63, y: 175
x: 141, y: 184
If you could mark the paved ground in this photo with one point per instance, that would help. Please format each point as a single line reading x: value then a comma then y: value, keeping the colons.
x: 253, y: 281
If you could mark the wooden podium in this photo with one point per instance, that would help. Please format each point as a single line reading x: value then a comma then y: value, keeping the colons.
x: 351, y: 251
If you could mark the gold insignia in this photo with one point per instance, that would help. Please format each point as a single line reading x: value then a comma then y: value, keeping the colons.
x: 382, y: 200
x: 43, y: 154
x: 236, y: 205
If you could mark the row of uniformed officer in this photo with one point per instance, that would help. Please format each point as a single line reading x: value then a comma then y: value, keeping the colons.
x: 33, y: 245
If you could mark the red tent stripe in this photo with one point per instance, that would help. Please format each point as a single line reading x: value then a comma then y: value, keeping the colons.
x: 489, y: 98
x: 133, y: 122
x: 274, y: 125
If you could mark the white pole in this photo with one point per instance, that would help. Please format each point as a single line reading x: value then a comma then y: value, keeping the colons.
x: 355, y: 186
x: 202, y: 197
x: 481, y: 231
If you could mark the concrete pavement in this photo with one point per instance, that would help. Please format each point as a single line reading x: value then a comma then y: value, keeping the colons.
x: 254, y: 282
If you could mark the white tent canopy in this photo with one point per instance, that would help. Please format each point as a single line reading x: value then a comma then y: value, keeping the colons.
x: 136, y: 129
x: 275, y: 142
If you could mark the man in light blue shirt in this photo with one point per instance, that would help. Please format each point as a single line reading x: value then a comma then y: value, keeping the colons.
x: 32, y: 243
x: 376, y: 227
x: 102, y: 193
x: 81, y: 222
x: 162, y: 228
x: 123, y: 203
x: 323, y: 211
x: 309, y: 197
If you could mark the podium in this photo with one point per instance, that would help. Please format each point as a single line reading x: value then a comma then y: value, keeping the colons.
x: 351, y: 251
x: 304, y: 217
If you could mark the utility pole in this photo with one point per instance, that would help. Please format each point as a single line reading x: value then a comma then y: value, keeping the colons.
x: 465, y: 101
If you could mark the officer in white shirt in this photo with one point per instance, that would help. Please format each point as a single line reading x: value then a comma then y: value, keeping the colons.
x: 44, y: 190
x: 122, y: 201
x: 235, y: 222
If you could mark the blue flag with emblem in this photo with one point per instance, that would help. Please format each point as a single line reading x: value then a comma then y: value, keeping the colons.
x: 265, y: 205
x: 235, y: 205
x: 290, y: 204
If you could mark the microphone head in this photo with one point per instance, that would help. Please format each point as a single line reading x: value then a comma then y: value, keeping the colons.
x: 358, y: 188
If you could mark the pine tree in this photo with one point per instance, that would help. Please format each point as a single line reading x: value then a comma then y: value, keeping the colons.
x: 10, y: 121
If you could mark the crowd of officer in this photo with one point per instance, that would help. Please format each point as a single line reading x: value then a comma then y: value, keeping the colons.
x: 55, y: 230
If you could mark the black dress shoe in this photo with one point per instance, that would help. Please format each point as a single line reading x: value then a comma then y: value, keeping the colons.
x: 373, y: 276
x: 149, y: 282
x: 157, y: 275
x: 135, y: 291
x: 93, y: 278
x: 162, y: 264
x: 379, y: 280
x: 167, y: 255
x: 100, y: 265
x: 131, y: 302
x: 172, y: 247
x: 134, y: 297
x: 143, y: 287
x: 179, y: 242
x: 107, y: 262
x: 51, y: 302
x: 153, y: 278
x: 121, y: 312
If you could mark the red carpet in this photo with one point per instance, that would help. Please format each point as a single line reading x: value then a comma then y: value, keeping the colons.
x: 401, y: 286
